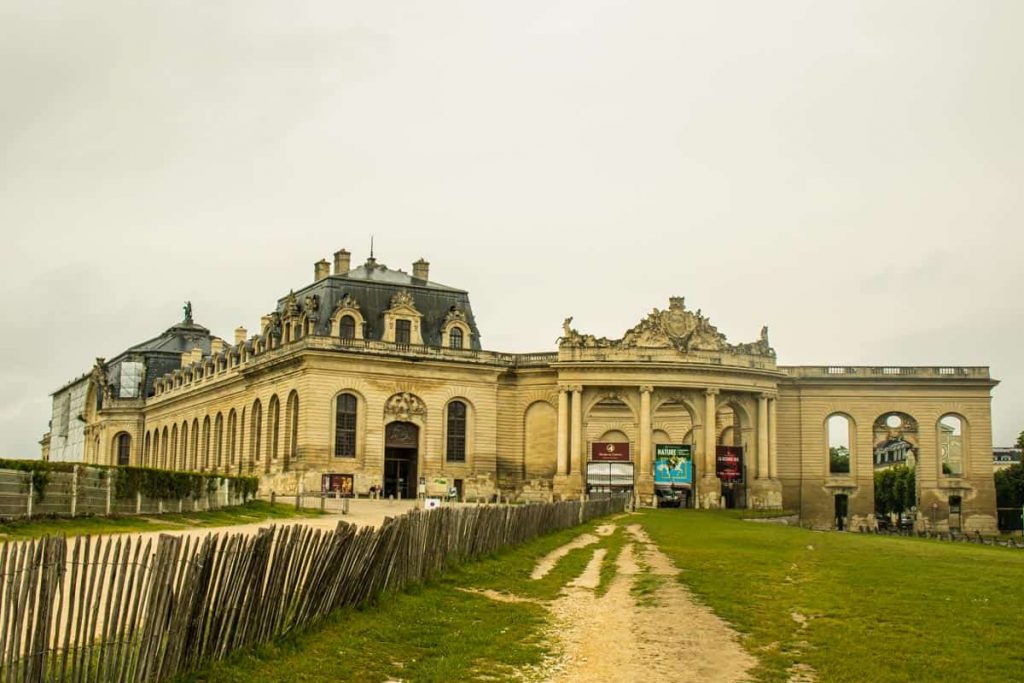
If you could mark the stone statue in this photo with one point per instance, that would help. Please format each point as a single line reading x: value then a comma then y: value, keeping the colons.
x: 566, y: 329
x: 188, y: 312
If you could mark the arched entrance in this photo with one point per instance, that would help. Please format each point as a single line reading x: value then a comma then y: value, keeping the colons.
x: 401, y: 453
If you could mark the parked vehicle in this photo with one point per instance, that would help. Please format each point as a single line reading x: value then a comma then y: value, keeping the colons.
x: 666, y: 498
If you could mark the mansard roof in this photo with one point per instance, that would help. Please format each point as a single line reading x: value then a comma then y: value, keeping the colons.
x: 176, y: 339
x: 373, y: 285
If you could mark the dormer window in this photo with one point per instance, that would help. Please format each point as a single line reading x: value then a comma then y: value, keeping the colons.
x: 403, y: 331
x: 455, y: 338
x: 347, y: 327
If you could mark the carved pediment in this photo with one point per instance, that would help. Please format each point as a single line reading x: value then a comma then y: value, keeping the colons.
x: 455, y: 314
x: 402, y: 299
x: 675, y: 328
x: 291, y: 305
x: 405, y: 406
x: 312, y: 304
x: 347, y: 302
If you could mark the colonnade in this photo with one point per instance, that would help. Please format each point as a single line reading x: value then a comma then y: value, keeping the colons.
x: 762, y: 471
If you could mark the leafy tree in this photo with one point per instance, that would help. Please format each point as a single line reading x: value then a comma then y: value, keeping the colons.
x: 1010, y: 486
x: 895, y: 490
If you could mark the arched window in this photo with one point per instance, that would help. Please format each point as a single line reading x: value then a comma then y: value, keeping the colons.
x: 455, y: 338
x: 205, y: 464
x: 124, y: 449
x: 293, y: 429
x: 275, y: 429
x: 347, y: 327
x: 181, y: 457
x: 232, y: 437
x: 163, y: 449
x: 456, y: 442
x: 218, y: 440
x: 838, y: 444
x: 345, y: 427
x: 146, y: 452
x: 255, y: 439
x: 194, y: 464
x: 951, y: 446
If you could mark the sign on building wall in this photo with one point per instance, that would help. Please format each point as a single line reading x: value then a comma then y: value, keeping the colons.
x: 673, y: 465
x: 609, y: 476
x: 609, y: 451
x: 729, y: 464
x: 337, y: 485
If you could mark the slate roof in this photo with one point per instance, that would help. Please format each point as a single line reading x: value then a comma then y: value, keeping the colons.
x: 372, y: 285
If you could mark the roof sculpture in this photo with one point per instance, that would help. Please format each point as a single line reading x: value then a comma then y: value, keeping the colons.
x: 675, y: 328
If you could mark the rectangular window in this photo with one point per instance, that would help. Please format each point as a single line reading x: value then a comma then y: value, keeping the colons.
x: 403, y: 331
x: 345, y: 427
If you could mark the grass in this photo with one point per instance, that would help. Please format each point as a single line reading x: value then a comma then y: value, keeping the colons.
x: 436, y: 632
x: 253, y: 511
x: 875, y: 608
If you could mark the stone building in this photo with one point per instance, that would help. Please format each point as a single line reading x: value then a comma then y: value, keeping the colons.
x: 374, y: 377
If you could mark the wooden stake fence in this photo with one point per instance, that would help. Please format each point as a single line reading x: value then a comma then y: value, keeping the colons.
x: 113, y: 609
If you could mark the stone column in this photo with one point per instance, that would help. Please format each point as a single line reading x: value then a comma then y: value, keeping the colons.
x: 563, y: 432
x: 577, y: 455
x: 773, y: 443
x: 645, y: 479
x: 709, y: 431
x: 709, y: 495
x: 762, y: 436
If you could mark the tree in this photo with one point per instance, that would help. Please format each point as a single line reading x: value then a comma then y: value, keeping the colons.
x: 1010, y: 486
x: 895, y: 490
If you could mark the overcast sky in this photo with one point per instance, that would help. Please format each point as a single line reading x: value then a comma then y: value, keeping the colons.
x: 848, y: 173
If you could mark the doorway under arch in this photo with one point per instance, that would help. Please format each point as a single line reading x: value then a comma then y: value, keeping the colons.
x: 401, y: 456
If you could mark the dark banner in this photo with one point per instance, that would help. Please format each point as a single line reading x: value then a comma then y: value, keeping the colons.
x: 609, y: 451
x: 337, y: 485
x: 673, y: 464
x: 729, y: 463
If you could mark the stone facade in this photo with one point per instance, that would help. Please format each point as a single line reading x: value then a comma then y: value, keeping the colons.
x: 342, y: 361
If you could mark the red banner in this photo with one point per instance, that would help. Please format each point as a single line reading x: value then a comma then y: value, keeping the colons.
x: 609, y: 451
x: 729, y: 463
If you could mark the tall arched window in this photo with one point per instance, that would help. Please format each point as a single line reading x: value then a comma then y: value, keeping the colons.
x: 232, y: 437
x: 124, y: 449
x: 146, y: 452
x: 181, y: 456
x: 347, y: 327
x: 163, y: 449
x: 173, y: 451
x: 456, y: 442
x: 218, y: 440
x: 951, y: 446
x: 205, y: 464
x: 275, y: 429
x: 455, y: 338
x: 838, y: 444
x: 345, y: 427
x: 255, y: 438
x: 194, y: 465
x: 293, y: 429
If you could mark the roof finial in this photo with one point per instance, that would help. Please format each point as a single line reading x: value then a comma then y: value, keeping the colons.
x: 371, y: 246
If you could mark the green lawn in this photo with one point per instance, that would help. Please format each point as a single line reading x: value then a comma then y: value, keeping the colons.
x: 877, y: 608
x: 253, y: 511
x: 437, y: 632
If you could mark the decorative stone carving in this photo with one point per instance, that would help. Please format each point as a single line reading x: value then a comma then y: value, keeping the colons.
x: 312, y: 304
x: 402, y: 298
x: 348, y: 302
x: 678, y: 328
x: 455, y: 314
x: 405, y: 406
x: 291, y: 305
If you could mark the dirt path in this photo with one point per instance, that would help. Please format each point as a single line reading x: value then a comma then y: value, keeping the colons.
x: 647, y: 626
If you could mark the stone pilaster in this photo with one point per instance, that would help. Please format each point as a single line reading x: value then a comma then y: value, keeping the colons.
x: 710, y: 493
x: 645, y: 470
x: 563, y: 432
x: 765, y: 490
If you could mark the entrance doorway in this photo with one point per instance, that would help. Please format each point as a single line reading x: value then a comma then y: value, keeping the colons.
x: 401, y: 454
x: 842, y: 506
x: 954, y: 513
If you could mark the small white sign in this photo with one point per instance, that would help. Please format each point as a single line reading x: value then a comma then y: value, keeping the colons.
x: 431, y: 503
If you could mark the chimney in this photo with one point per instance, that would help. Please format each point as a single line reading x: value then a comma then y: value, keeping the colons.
x: 342, y: 262
x: 216, y: 346
x: 321, y: 269
x: 421, y: 270
x: 241, y: 334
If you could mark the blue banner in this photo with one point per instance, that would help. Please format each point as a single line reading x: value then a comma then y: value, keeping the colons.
x: 673, y: 465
